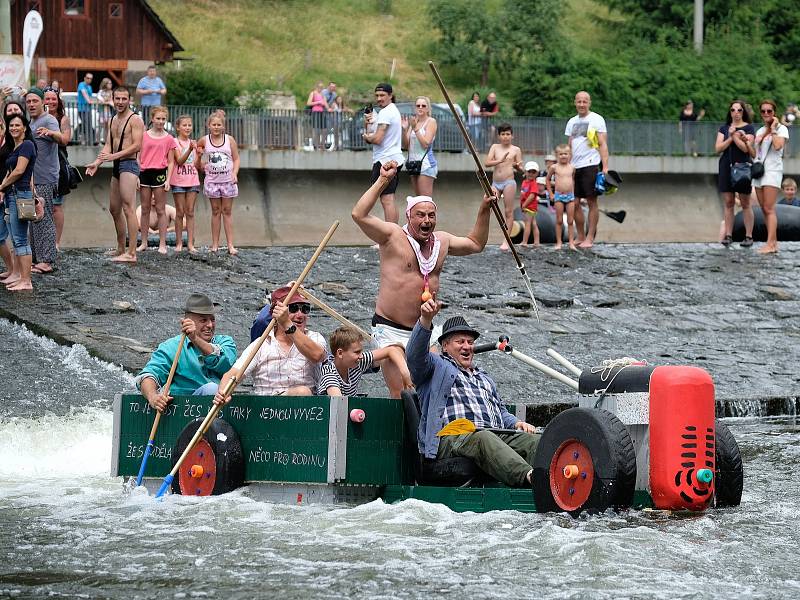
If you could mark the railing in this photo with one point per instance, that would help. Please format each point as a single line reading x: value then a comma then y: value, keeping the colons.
x: 298, y: 130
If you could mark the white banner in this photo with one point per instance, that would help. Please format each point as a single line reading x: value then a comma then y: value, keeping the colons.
x: 12, y: 71
x: 30, y: 37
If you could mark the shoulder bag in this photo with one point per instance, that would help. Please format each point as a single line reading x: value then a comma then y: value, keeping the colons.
x: 741, y: 174
x: 757, y: 170
x: 414, y: 167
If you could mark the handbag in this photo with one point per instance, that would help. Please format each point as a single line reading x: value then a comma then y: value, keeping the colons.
x: 26, y: 209
x: 741, y: 175
x: 414, y: 167
x: 757, y: 170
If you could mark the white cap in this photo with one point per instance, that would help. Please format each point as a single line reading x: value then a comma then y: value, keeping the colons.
x: 531, y: 165
x: 412, y: 201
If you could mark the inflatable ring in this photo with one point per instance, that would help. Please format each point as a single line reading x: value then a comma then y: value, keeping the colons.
x: 214, y: 466
x: 729, y: 474
x: 585, y: 461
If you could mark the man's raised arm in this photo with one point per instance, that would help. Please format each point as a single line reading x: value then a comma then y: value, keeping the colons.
x: 476, y: 240
x: 375, y: 228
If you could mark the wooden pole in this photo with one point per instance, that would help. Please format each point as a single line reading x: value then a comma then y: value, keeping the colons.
x: 227, y: 391
x: 332, y: 313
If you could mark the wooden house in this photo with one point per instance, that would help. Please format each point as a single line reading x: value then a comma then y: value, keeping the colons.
x: 109, y: 39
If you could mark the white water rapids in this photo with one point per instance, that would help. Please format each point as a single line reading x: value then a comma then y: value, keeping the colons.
x: 67, y: 529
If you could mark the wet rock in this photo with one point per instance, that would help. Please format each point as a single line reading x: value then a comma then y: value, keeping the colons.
x: 776, y: 293
x: 123, y: 305
x: 334, y: 289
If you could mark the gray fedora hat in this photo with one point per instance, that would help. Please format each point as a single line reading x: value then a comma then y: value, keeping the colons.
x: 200, y: 304
x: 457, y: 325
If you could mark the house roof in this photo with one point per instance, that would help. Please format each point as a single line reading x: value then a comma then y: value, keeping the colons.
x: 176, y: 45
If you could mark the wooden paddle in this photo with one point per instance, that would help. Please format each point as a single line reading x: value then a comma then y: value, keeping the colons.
x: 487, y: 186
x: 157, y: 420
x: 227, y: 391
x: 332, y: 313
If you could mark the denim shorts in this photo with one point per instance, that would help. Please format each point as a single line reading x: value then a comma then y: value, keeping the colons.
x: 58, y: 200
x: 19, y: 229
x: 176, y: 189
x: 431, y: 172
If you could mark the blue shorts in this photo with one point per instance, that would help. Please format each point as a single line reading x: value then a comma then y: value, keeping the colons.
x: 176, y: 189
x: 431, y: 172
x: 58, y: 200
x: 501, y: 185
x: 125, y: 165
x: 565, y: 198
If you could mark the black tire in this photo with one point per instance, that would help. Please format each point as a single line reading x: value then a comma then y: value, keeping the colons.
x: 612, y: 453
x: 729, y: 473
x: 227, y: 452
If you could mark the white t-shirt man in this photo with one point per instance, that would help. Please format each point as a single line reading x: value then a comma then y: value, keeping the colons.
x: 583, y: 155
x: 390, y: 147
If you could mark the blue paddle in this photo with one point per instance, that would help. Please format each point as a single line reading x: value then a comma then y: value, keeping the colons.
x: 151, y: 441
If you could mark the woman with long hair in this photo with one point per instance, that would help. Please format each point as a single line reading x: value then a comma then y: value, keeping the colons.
x: 157, y: 145
x: 20, y: 152
x: 770, y: 140
x: 55, y: 106
x: 734, y: 142
x: 184, y: 181
x: 319, y: 109
x: 419, y: 132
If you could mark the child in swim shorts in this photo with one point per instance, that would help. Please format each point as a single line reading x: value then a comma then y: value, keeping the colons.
x: 506, y: 159
x: 561, y: 177
x: 529, y: 202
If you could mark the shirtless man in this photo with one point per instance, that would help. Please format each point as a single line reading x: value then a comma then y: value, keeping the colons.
x: 411, y: 261
x: 124, y: 134
x: 506, y: 158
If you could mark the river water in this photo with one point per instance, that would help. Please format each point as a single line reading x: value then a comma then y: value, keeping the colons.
x: 67, y: 529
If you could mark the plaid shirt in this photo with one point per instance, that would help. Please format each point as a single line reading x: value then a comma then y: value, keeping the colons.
x: 473, y: 397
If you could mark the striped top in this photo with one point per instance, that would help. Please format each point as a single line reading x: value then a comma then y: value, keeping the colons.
x: 329, y: 376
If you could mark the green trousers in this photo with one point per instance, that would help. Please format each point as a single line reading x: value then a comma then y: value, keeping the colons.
x: 505, y: 456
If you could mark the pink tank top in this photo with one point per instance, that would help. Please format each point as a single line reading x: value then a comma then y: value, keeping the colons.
x: 184, y: 175
x: 219, y: 161
x: 155, y: 151
x: 316, y: 97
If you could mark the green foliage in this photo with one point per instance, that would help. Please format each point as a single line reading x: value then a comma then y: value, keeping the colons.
x: 651, y: 79
x: 200, y: 86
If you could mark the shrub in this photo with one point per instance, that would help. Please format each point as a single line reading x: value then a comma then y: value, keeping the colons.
x: 200, y: 86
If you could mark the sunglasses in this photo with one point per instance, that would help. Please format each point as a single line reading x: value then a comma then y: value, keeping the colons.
x: 422, y: 106
x: 301, y: 306
x: 767, y: 111
x: 737, y: 110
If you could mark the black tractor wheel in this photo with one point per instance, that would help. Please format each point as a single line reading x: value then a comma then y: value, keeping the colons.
x: 585, y: 461
x: 729, y: 473
x: 214, y: 466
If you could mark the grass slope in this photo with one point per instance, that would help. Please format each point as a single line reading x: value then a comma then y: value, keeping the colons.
x: 290, y: 44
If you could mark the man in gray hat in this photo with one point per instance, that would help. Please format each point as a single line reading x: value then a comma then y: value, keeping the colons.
x: 451, y: 387
x: 204, y: 360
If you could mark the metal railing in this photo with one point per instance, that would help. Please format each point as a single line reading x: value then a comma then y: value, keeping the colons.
x: 298, y: 130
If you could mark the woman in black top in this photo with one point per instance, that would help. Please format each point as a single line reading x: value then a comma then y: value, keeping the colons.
x: 20, y: 153
x: 734, y: 142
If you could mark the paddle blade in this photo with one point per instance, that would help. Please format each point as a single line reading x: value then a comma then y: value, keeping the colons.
x: 457, y: 427
x: 147, y: 451
x: 618, y: 216
x: 165, y: 486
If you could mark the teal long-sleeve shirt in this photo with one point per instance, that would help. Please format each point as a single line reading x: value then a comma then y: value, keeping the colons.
x: 194, y: 369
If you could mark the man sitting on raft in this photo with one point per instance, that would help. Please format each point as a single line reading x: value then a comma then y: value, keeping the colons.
x: 204, y: 359
x: 411, y: 259
x: 451, y: 387
x: 289, y: 359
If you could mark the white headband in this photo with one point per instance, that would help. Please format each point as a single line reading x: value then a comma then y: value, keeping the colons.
x: 412, y: 201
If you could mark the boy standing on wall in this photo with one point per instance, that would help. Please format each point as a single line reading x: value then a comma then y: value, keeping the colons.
x: 506, y: 159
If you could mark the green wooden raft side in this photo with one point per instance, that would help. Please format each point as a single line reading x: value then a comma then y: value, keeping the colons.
x: 301, y: 441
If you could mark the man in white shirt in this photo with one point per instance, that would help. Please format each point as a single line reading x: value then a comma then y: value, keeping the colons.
x: 289, y: 359
x: 384, y: 133
x: 588, y: 139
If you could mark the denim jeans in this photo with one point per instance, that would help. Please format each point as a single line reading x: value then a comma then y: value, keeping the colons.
x: 19, y: 229
x: 208, y: 389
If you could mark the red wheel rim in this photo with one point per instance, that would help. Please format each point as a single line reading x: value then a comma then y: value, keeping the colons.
x: 202, y: 454
x: 571, y: 493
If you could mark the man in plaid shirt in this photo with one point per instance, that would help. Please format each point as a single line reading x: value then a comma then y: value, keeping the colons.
x: 451, y: 387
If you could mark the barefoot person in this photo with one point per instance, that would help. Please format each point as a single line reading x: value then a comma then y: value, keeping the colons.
x: 506, y: 158
x: 184, y: 181
x: 20, y: 151
x: 588, y: 139
x: 411, y: 261
x: 560, y: 184
x: 218, y: 157
x: 124, y: 132
x: 768, y: 148
x: 157, y: 146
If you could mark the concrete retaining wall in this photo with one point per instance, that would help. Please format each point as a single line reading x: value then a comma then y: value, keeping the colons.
x: 293, y: 206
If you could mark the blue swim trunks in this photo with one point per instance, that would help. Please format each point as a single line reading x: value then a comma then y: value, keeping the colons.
x: 501, y: 185
x: 565, y: 198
